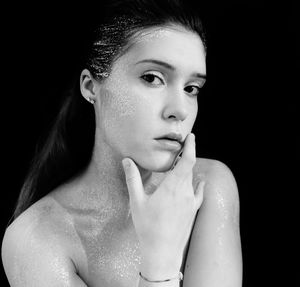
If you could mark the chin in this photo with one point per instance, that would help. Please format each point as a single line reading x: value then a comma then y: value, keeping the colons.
x: 159, y: 163
x: 163, y: 169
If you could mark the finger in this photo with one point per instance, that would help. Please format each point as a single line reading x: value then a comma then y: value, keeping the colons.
x: 133, y: 180
x: 178, y: 157
x: 188, y: 158
x: 199, y: 193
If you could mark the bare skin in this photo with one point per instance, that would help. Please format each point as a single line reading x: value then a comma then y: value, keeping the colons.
x: 82, y: 233
x: 53, y: 230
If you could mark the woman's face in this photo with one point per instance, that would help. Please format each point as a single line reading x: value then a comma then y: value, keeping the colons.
x: 152, y: 91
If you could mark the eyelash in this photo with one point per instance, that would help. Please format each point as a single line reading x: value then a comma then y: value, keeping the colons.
x: 198, y: 89
x: 153, y: 75
x: 162, y: 81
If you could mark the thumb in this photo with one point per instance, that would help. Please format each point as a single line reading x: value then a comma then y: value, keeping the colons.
x: 133, y: 179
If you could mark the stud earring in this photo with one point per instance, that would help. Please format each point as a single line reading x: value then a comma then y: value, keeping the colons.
x: 90, y: 100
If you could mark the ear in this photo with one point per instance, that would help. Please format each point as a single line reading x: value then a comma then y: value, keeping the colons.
x: 88, y: 86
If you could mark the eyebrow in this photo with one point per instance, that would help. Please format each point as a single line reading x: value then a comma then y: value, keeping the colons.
x: 168, y: 66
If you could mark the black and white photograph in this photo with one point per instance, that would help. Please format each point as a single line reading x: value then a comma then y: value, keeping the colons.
x: 149, y: 143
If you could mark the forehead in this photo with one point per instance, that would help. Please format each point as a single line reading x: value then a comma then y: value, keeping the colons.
x: 175, y: 45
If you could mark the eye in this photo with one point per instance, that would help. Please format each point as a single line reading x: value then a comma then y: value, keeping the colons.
x: 194, y: 90
x: 152, y: 79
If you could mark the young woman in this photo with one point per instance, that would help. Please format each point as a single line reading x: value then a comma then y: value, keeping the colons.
x: 116, y: 195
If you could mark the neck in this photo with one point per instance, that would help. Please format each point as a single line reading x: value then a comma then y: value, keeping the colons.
x: 103, y: 183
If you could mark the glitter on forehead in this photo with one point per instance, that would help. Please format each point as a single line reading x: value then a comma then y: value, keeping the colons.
x: 114, y: 38
x: 149, y: 34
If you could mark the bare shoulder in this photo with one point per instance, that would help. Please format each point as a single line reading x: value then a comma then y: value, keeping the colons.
x: 40, y: 235
x: 45, y: 220
x: 218, y: 177
x: 211, y: 167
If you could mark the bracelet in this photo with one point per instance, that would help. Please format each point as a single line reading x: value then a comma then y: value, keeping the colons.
x: 179, y: 277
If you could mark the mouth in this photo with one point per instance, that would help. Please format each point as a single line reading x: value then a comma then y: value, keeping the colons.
x: 168, y: 144
x: 171, y: 141
x: 172, y: 136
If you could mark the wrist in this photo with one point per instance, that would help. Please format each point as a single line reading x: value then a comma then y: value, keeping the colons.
x: 172, y: 281
x: 158, y: 269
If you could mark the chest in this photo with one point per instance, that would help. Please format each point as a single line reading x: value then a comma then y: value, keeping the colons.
x: 112, y: 256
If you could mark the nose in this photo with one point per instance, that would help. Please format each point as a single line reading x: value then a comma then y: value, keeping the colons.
x: 175, y: 106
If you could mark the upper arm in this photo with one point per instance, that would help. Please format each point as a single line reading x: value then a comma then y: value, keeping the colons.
x: 30, y: 260
x: 214, y: 256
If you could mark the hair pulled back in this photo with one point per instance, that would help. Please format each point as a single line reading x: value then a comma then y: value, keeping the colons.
x: 62, y: 154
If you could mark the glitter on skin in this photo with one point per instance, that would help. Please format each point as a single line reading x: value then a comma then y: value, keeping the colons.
x: 104, y: 242
x: 113, y: 249
x: 42, y: 232
x: 112, y: 245
x: 222, y: 205
x: 223, y: 213
x: 105, y: 50
x: 92, y: 216
x: 148, y: 35
x: 120, y: 100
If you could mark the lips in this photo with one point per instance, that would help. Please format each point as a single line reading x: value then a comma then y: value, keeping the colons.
x: 171, y: 141
x: 173, y: 137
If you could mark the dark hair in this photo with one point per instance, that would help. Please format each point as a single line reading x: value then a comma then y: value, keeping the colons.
x: 59, y: 156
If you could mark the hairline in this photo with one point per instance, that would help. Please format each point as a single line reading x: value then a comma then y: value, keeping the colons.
x: 176, y: 26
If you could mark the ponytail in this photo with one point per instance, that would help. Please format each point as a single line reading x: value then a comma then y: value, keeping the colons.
x: 65, y: 152
x: 68, y: 148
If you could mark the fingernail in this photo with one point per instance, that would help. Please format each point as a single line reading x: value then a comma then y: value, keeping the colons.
x: 126, y: 163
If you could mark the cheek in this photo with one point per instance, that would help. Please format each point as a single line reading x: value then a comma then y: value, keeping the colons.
x: 118, y: 104
x: 194, y: 112
x: 195, y: 116
x: 123, y: 115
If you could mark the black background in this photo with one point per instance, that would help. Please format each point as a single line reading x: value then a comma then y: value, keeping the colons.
x: 246, y: 116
